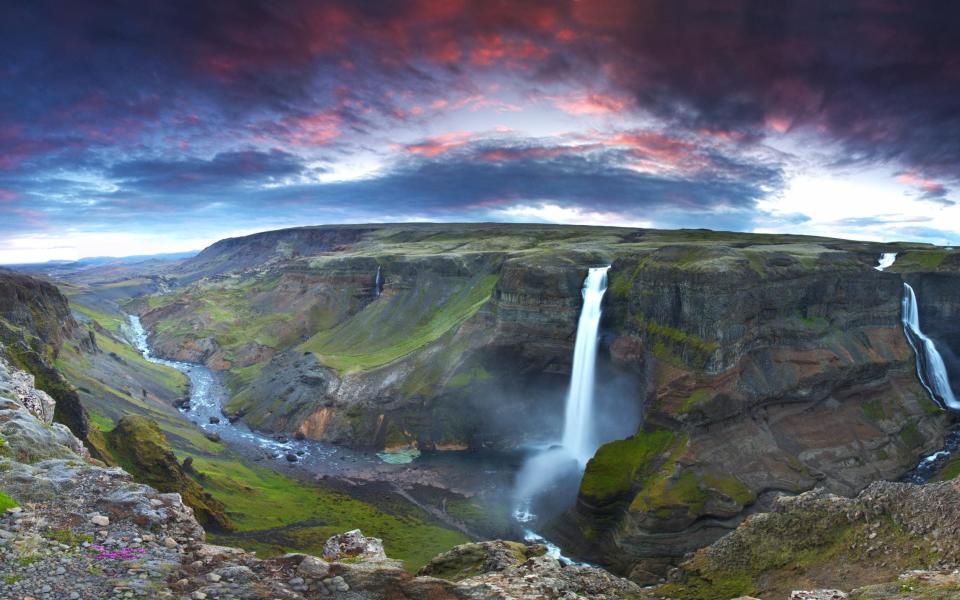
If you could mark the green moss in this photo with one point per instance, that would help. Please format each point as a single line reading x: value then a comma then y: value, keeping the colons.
x: 274, y: 514
x: 620, y: 285
x: 689, y: 492
x: 782, y: 549
x: 950, y: 471
x: 100, y: 421
x: 466, y: 378
x: 238, y: 378
x: 919, y: 260
x: 110, y: 322
x: 676, y: 346
x: 394, y: 327
x: 695, y: 399
x: 470, y: 560
x: 911, y: 436
x: 719, y: 587
x: 396, y: 437
x: 668, y: 493
x: 65, y: 536
x: 6, y: 502
x: 731, y: 487
x: 615, y: 467
x: 874, y: 410
x: 138, y: 444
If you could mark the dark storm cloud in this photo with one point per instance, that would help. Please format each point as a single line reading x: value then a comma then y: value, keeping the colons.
x: 224, y: 170
x: 483, y: 176
x: 880, y: 78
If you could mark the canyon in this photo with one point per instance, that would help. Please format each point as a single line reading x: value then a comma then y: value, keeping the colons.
x: 732, y: 370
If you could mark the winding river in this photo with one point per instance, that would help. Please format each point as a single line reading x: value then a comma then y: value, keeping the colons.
x: 207, y: 397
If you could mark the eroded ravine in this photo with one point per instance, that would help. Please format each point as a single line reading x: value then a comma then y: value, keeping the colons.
x: 480, y: 478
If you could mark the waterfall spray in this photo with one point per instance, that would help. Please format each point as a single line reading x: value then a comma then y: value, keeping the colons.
x: 578, y: 426
x: 930, y: 369
x: 579, y: 440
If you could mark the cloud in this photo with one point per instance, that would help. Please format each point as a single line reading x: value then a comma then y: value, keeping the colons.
x: 224, y: 170
x: 589, y: 104
x: 471, y: 109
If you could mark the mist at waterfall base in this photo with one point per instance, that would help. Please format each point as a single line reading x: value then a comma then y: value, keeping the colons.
x: 593, y: 414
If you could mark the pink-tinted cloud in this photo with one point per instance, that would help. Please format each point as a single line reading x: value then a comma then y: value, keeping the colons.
x: 515, y: 54
x: 590, y: 104
x: 930, y: 189
x: 438, y: 144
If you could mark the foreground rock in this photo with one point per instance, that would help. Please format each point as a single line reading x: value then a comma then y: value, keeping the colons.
x: 82, y: 531
x: 834, y: 547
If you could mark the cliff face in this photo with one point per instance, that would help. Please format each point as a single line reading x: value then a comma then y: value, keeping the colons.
x: 35, y: 321
x: 763, y: 364
x: 773, y: 376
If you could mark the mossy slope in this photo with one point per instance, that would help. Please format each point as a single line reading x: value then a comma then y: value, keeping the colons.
x: 140, y: 447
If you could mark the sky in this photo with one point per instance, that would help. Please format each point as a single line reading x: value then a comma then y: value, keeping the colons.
x: 143, y: 127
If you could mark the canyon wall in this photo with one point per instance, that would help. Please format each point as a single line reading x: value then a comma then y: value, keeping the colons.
x: 762, y: 364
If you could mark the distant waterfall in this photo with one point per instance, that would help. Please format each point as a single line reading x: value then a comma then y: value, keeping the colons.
x: 578, y: 434
x: 930, y: 367
x: 376, y: 284
x: 886, y: 260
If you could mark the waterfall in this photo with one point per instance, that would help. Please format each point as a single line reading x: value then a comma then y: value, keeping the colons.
x: 578, y: 434
x: 376, y: 284
x: 930, y: 366
x: 886, y: 260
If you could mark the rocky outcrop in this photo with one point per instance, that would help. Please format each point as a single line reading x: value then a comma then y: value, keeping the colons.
x: 468, y: 560
x: 819, y: 540
x: 138, y: 444
x: 77, y: 530
x: 26, y: 429
x: 35, y: 321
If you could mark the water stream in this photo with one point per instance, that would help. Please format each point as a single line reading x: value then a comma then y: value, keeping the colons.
x: 207, y: 396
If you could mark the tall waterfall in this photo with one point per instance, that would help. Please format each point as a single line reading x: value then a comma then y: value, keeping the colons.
x: 376, y: 284
x: 930, y: 368
x: 578, y: 434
